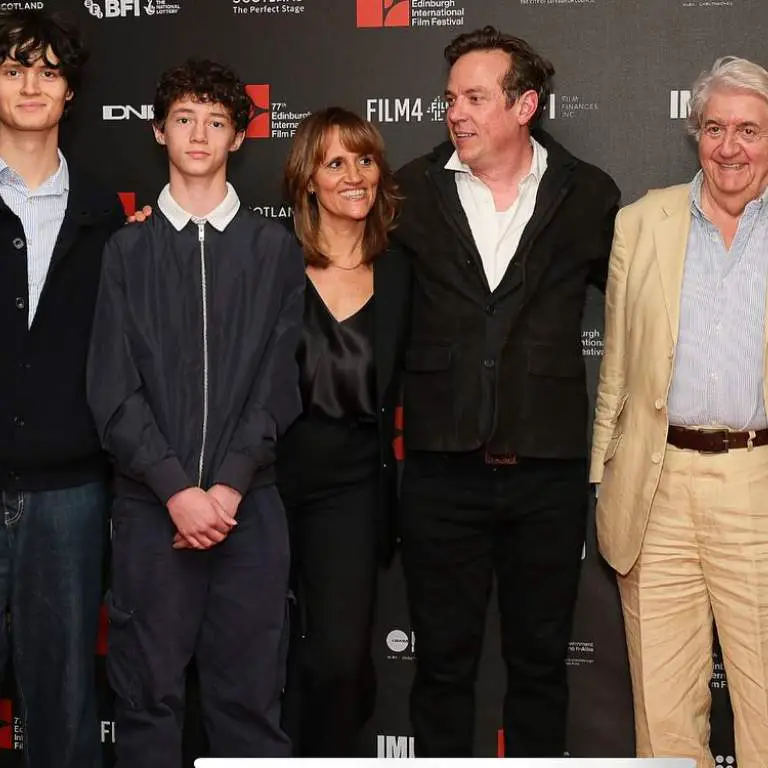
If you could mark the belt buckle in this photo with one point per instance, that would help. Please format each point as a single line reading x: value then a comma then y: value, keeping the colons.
x: 726, y: 443
x: 500, y: 460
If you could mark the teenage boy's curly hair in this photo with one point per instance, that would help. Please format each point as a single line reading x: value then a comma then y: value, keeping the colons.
x: 205, y: 82
x: 25, y: 36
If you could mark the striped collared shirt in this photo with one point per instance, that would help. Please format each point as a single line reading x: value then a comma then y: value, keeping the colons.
x: 719, y: 362
x: 41, y: 212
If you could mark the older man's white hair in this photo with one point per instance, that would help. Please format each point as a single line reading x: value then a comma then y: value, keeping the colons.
x: 728, y: 73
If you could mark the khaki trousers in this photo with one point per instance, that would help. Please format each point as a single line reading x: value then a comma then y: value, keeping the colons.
x: 704, y: 555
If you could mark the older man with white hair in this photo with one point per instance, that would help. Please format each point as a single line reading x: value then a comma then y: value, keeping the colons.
x: 680, y: 443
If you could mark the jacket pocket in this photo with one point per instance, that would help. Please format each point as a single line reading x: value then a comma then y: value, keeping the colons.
x: 549, y: 361
x: 122, y: 654
x: 427, y: 358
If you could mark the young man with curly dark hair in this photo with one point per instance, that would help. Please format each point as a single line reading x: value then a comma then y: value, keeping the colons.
x: 192, y: 377
x: 54, y: 221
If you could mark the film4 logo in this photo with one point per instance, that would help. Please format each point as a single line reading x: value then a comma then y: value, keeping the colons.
x: 11, y: 728
x: 383, y: 13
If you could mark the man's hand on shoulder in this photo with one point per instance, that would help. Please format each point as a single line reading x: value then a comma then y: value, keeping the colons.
x: 140, y: 216
x: 200, y: 520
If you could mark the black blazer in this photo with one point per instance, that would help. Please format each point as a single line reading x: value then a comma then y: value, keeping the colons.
x: 47, y: 435
x: 502, y: 369
x: 392, y: 289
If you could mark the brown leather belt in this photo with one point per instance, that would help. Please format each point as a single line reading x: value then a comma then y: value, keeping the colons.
x: 714, y: 440
x: 500, y: 459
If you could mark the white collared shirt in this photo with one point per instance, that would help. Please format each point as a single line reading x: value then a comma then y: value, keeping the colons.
x: 497, y: 233
x: 218, y: 218
x: 41, y: 212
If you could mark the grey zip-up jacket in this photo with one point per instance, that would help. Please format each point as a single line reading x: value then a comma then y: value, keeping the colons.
x: 192, y: 371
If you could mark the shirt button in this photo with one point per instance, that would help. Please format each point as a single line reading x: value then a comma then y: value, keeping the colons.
x: 489, y: 363
x: 18, y: 243
x: 656, y: 458
x: 20, y: 302
x: 659, y: 404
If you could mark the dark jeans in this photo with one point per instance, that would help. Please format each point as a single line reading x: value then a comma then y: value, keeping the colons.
x: 225, y: 607
x: 51, y: 549
x: 465, y: 522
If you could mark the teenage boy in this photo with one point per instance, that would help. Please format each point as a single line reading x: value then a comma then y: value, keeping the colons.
x: 54, y: 222
x: 192, y: 377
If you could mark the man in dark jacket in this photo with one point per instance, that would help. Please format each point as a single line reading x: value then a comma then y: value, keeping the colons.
x: 54, y: 222
x: 506, y: 229
x: 192, y: 376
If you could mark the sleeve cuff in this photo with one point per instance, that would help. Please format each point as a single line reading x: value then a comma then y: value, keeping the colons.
x: 167, y: 478
x: 596, y: 471
x: 236, y: 471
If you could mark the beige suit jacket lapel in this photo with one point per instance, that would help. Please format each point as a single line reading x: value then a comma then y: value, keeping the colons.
x: 671, y: 242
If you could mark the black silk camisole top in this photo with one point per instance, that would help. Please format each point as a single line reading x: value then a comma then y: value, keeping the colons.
x: 337, y: 375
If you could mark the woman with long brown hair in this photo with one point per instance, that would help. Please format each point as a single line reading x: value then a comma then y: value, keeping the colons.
x: 336, y: 467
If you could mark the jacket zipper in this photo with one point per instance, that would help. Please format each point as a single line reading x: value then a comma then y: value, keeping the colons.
x: 204, y: 291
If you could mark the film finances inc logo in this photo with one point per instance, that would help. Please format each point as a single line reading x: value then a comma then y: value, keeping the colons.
x: 409, y: 13
x: 273, y: 119
x: 121, y: 9
x: 11, y: 728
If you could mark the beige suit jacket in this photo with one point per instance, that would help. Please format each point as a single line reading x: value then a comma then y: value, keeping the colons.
x: 642, y: 313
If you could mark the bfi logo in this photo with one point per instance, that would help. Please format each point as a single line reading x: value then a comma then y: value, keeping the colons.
x: 394, y: 746
x: 679, y: 105
x: 114, y: 9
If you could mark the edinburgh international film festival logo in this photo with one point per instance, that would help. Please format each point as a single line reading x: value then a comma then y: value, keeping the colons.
x: 122, y: 9
x: 11, y: 727
x: 409, y: 13
x: 273, y: 119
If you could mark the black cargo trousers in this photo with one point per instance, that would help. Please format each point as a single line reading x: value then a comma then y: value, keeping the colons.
x: 225, y: 607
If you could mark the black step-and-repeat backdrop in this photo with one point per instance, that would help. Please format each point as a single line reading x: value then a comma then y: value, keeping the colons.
x: 624, y: 71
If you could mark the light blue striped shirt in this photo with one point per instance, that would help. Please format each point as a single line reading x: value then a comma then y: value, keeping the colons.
x: 719, y: 361
x: 41, y: 212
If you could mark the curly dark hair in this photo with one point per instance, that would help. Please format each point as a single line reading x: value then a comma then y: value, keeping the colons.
x: 527, y: 70
x: 25, y: 36
x: 205, y: 82
x: 305, y: 157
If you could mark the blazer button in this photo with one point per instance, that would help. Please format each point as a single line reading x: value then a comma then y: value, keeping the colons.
x: 18, y: 243
x: 489, y: 362
x: 18, y: 421
x: 659, y: 404
x: 656, y: 458
x: 20, y: 302
x: 671, y: 353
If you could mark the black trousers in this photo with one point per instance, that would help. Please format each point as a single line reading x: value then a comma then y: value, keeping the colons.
x: 225, y: 606
x: 464, y: 522
x: 331, y: 504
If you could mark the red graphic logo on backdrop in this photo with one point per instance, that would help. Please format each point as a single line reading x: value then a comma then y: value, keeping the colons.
x: 383, y: 13
x: 11, y: 733
x: 128, y: 199
x: 101, y: 638
x: 6, y: 724
x: 261, y: 125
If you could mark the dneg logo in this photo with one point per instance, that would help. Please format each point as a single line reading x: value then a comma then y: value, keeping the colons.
x: 383, y: 13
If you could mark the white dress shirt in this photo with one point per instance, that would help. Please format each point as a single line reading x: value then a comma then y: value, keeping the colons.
x: 497, y: 233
